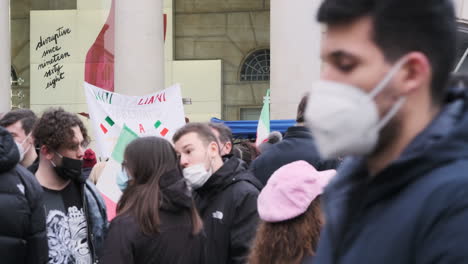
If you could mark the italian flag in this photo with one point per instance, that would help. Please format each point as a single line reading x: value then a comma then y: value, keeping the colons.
x: 164, y: 130
x: 263, y: 128
x: 107, y: 184
x: 107, y: 124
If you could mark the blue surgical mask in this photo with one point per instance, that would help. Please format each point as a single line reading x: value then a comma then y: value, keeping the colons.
x: 122, y: 179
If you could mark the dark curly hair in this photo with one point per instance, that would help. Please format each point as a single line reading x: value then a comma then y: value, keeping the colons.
x: 290, y: 241
x: 54, y: 129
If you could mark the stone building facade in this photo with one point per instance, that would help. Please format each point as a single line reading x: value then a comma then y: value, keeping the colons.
x: 229, y: 30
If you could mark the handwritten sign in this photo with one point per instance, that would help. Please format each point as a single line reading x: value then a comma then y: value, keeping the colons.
x: 159, y: 114
x: 53, y: 56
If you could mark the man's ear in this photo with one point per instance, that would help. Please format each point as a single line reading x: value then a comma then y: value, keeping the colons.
x: 417, y: 73
x: 229, y: 146
x: 214, y: 148
x: 46, y: 152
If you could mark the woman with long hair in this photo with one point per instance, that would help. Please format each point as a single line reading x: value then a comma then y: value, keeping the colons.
x: 291, y: 216
x: 157, y: 221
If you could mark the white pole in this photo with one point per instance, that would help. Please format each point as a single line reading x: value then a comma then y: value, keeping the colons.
x: 5, y: 57
x: 295, y: 54
x: 139, y: 47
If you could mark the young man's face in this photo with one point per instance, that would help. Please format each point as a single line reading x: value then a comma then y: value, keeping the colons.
x: 76, y: 148
x: 350, y: 56
x: 192, y: 151
x: 17, y: 131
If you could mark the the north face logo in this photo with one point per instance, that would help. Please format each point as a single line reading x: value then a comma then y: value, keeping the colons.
x: 218, y: 215
x: 21, y: 188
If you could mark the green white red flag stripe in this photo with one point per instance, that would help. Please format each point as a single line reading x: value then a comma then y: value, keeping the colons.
x: 164, y: 130
x: 105, y: 126
x: 263, y: 128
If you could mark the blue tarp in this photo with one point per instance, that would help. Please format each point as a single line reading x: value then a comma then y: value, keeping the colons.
x: 248, y: 128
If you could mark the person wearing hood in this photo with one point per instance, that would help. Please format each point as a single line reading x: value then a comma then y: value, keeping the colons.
x: 75, y: 212
x: 144, y: 233
x: 289, y: 207
x: 225, y: 193
x: 383, y: 101
x: 22, y: 225
x: 224, y: 136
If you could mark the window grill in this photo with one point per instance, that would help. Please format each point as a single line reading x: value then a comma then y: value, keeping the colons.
x: 256, y: 66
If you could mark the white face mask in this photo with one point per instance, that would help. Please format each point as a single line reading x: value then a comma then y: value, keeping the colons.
x: 21, y: 149
x: 344, y: 120
x: 197, y: 175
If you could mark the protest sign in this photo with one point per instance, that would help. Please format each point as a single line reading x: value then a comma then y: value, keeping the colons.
x: 159, y: 114
x: 118, y: 119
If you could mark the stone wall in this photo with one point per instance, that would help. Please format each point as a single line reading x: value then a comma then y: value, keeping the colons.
x: 228, y: 30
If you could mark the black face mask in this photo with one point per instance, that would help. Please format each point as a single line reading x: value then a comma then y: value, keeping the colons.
x: 70, y: 168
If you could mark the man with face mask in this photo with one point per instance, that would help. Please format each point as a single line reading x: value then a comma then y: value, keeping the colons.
x: 75, y: 212
x: 224, y: 136
x: 23, y: 236
x: 20, y: 124
x: 224, y: 192
x: 383, y: 101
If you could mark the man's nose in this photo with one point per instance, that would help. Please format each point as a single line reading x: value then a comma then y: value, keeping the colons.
x: 80, y: 152
x: 326, y: 73
x: 184, y: 161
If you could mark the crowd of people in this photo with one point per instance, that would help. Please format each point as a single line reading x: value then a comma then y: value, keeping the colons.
x: 374, y: 171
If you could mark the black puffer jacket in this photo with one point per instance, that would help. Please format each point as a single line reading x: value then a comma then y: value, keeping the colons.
x: 228, y: 206
x: 22, y: 222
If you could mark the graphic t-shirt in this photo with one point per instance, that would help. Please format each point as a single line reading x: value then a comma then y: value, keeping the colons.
x: 67, y: 232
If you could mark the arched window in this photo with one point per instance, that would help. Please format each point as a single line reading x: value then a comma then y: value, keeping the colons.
x: 256, y: 66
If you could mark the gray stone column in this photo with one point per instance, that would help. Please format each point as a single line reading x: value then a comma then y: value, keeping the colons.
x: 295, y: 54
x: 5, y: 57
x: 139, y: 46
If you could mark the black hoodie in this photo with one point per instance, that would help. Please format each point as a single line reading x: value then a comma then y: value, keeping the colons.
x: 228, y: 206
x: 22, y: 222
x: 414, y: 211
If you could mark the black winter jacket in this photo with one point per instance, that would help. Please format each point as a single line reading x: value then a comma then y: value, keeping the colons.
x: 175, y: 242
x: 227, y: 203
x: 297, y: 144
x: 413, y: 211
x: 22, y: 223
x: 126, y: 244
